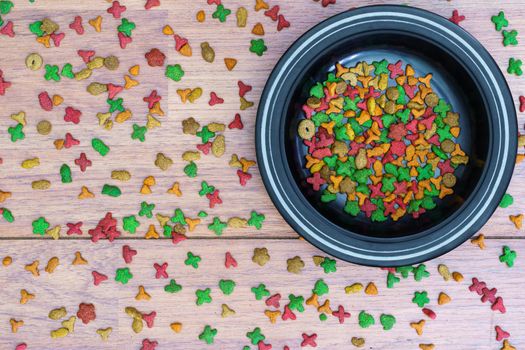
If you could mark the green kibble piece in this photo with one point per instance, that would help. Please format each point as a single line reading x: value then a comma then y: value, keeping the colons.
x: 202, y: 214
x: 227, y: 286
x: 99, y: 146
x: 387, y: 321
x: 7, y: 215
x: 258, y: 47
x: 366, y: 320
x: 110, y: 190
x: 65, y: 174
x: 191, y: 169
x: 67, y: 71
x: 35, y: 28
x: 323, y: 317
x: 174, y: 72
x: 6, y: 6
x: 506, y: 201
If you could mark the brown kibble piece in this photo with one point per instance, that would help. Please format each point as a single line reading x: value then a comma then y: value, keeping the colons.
x: 358, y: 342
x: 392, y: 93
x: 431, y: 99
x: 95, y: 88
x: 295, y: 265
x: 448, y: 146
x: 163, y: 162
x: 48, y: 26
x: 207, y: 52
x: 44, y: 127
x: 313, y: 102
x: 218, y: 146
x: 216, y: 127
x: 479, y: 240
x: 306, y: 129
x: 242, y: 16
x: 317, y: 259
x: 33, y: 268
x: 449, y: 180
x: 347, y: 186
x: 340, y: 148
x: 191, y: 156
x: 190, y: 126
x: 452, y: 119
x: 444, y: 272
x: 361, y: 160
x: 260, y: 256
x: 111, y: 62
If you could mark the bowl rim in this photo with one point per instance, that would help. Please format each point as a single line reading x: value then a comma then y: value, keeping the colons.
x: 286, y: 196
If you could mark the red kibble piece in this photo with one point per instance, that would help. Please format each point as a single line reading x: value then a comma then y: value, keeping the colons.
x: 273, y: 12
x: 205, y: 147
x: 282, y: 23
x: 243, y: 177
x: 21, y: 346
x: 410, y: 90
x: 124, y: 40
x: 57, y: 38
x: 149, y: 318
x: 498, y: 305
x: 214, y: 198
x: 243, y: 88
x: 45, y: 101
x: 4, y: 85
x: 316, y: 181
x: 456, y: 17
x: 262, y: 346
x: 151, y: 3
x: 114, y: 90
x: 429, y: 313
x: 214, y: 2
x: 501, y: 334
x: 274, y: 301
x: 179, y: 42
x: 229, y: 261
x: 236, y: 123
x: 86, y: 312
x: 116, y: 10
x: 477, y: 286
x: 106, y: 228
x: 155, y: 58
x: 214, y: 99
x: 341, y: 314
x: 488, y: 295
x: 83, y: 162
x: 288, y: 314
x: 160, y: 270
x: 98, y: 277
x: 86, y: 55
x: 395, y: 69
x: 74, y: 229
x: 309, y: 340
x: 128, y: 253
x: 8, y: 30
x: 389, y: 269
x: 522, y: 104
x: 152, y: 99
x: 325, y: 3
x: 149, y: 344
x: 286, y: 347
x: 178, y: 237
x: 77, y: 26
x: 72, y: 115
x: 70, y: 141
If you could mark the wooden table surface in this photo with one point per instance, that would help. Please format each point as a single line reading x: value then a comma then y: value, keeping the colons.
x: 465, y: 323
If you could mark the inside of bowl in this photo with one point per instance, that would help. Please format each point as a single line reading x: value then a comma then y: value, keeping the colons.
x: 451, y: 80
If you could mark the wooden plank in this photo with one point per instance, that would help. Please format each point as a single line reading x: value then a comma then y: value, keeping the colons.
x: 228, y: 41
x: 465, y: 323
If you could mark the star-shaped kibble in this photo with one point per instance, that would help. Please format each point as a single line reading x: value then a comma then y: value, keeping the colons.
x: 515, y: 66
x: 146, y: 209
x: 203, y: 296
x: 256, y: 219
x: 510, y: 38
x: 16, y: 132
x: 208, y: 335
x: 217, y: 226
x: 51, y: 72
x: 255, y: 336
x: 139, y: 133
x: 221, y: 13
x: 258, y: 47
x: 130, y: 224
x: 508, y: 256
x: 40, y: 226
x: 500, y: 21
x: 174, y: 72
x: 126, y: 27
x: 260, y: 291
x: 123, y: 275
x: 192, y: 260
x: 329, y: 265
x: 295, y: 265
x: 260, y: 256
x: 420, y: 298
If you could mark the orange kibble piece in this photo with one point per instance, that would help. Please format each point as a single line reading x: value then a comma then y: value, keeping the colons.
x: 261, y: 5
x: 167, y: 30
x: 272, y: 315
x: 44, y: 40
x: 96, y: 23
x: 325, y: 307
x: 192, y: 223
x: 134, y: 70
x: 33, y: 268
x: 313, y: 300
x: 418, y: 326
x: 142, y: 294
x: 185, y: 50
x: 79, y: 259
x: 457, y: 276
x: 156, y: 109
x: 152, y: 232
x: 85, y: 193
x: 25, y: 296
x: 258, y: 29
x: 200, y: 16
x: 7, y: 261
x: 371, y: 289
x: 176, y: 327
x: 517, y: 220
x: 479, y: 241
x: 230, y: 63
x: 15, y: 325
x: 57, y: 100
x: 443, y: 298
x: 129, y: 82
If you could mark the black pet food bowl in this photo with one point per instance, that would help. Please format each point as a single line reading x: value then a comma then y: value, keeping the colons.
x: 464, y: 74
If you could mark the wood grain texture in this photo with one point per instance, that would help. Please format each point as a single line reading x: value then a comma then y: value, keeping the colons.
x: 465, y: 323
x: 228, y: 41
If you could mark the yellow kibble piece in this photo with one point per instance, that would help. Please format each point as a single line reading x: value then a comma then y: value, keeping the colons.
x: 96, y: 63
x: 44, y: 127
x: 104, y: 333
x: 85, y: 193
x: 227, y: 311
x: 167, y: 30
x: 83, y: 74
x: 129, y: 82
x: 59, y: 333
x: 236, y: 222
x: 175, y: 189
x: 152, y: 232
x: 134, y: 70
x: 152, y: 122
x: 15, y: 325
x: 190, y: 156
x: 19, y: 117
x: 57, y: 314
x: 69, y: 324
x: 25, y: 296
x: 142, y: 294
x: 41, y: 185
x: 54, y: 232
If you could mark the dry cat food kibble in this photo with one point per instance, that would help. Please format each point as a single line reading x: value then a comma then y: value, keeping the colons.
x: 380, y: 137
